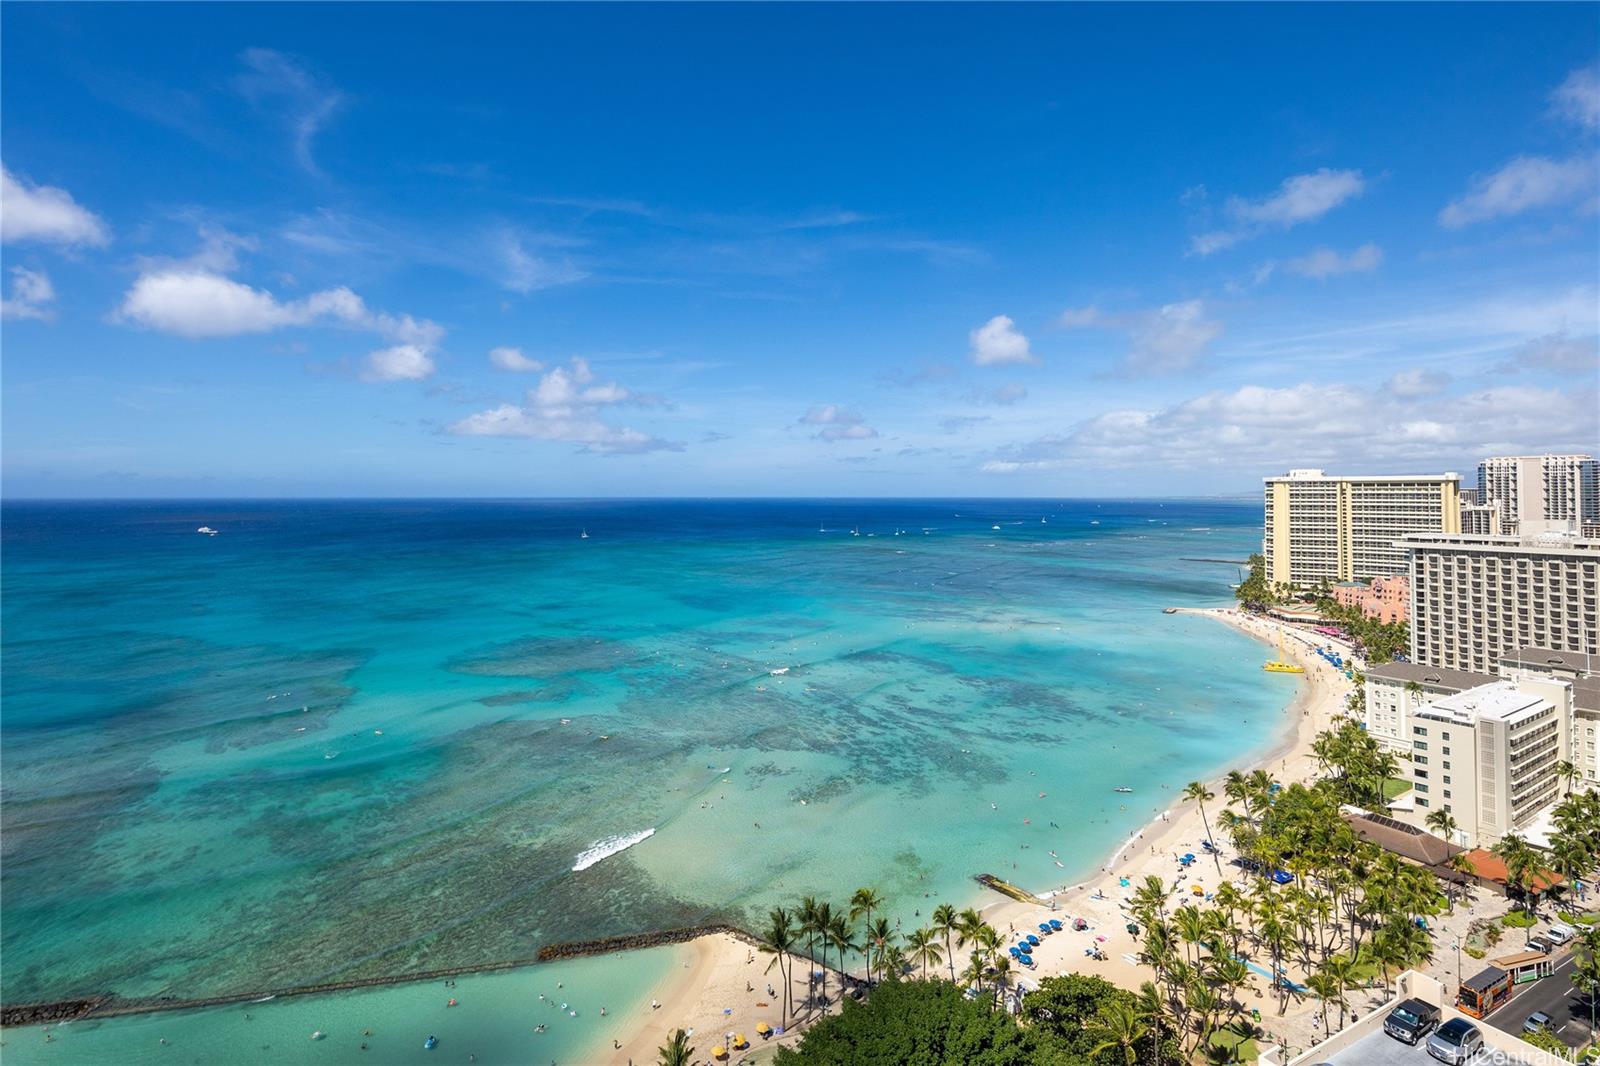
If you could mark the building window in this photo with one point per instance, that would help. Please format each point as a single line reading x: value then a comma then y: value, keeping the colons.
x: 1447, y: 779
x: 1447, y: 793
x: 1420, y: 745
x: 1420, y: 731
x: 1447, y: 751
x: 1447, y: 764
x: 1420, y: 787
x: 1421, y: 802
x: 1420, y: 773
x: 1423, y: 759
x: 1444, y: 736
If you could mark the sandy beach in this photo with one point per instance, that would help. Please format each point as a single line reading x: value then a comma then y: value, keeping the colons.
x: 724, y: 984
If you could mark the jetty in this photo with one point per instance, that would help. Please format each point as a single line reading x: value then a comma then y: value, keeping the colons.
x: 110, y: 1006
x: 1006, y: 888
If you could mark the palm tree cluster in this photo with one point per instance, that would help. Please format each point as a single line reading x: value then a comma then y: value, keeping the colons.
x: 815, y: 926
x: 1352, y: 761
x: 1347, y: 903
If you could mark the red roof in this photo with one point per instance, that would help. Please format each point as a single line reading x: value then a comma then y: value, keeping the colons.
x: 1487, y: 866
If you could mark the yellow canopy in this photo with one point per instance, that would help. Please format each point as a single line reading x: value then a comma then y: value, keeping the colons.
x: 763, y: 1028
x: 719, y: 1052
x: 740, y: 1041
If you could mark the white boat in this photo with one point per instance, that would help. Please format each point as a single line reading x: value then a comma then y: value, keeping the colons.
x: 996, y: 528
x: 207, y: 530
x: 1123, y: 788
x: 584, y: 535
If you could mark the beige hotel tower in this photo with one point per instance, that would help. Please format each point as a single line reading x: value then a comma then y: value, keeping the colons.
x: 1326, y: 527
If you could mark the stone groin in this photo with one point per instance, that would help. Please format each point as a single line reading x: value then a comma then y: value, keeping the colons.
x: 1006, y: 888
x: 112, y: 1006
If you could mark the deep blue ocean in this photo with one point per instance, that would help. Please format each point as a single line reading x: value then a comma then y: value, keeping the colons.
x: 344, y: 739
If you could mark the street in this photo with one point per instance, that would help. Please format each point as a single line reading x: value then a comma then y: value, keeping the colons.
x: 1556, y: 997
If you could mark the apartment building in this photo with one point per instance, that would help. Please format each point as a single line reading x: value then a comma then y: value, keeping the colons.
x: 1487, y: 756
x: 1473, y: 598
x: 1395, y: 691
x: 1322, y: 527
x: 1479, y: 519
x: 1551, y: 488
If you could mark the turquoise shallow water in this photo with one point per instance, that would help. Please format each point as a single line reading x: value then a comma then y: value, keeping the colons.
x: 342, y: 740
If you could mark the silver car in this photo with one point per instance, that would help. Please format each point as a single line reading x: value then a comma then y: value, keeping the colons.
x: 1456, y: 1041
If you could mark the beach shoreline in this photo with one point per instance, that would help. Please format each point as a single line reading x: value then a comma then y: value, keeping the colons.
x: 714, y: 977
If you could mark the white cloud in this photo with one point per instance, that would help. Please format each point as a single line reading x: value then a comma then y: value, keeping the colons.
x: 1337, y: 426
x: 998, y: 341
x: 197, y: 303
x: 838, y: 423
x: 45, y: 213
x: 1326, y: 263
x: 508, y: 358
x: 1299, y: 199
x: 1418, y: 382
x: 1578, y: 98
x: 31, y: 295
x: 1525, y: 183
x: 308, y: 103
x: 565, y: 406
x: 402, y: 362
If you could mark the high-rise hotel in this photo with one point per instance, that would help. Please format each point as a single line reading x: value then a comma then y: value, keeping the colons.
x: 1555, y: 488
x: 1475, y: 598
x: 1325, y: 527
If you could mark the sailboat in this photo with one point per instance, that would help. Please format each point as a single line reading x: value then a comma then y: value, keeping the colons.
x: 584, y: 535
x: 1280, y: 665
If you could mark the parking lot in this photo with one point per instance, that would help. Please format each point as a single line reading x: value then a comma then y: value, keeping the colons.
x: 1381, y: 1049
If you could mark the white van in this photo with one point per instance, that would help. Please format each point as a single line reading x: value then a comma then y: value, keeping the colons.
x: 1560, y: 933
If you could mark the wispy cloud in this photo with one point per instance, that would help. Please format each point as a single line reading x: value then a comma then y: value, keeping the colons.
x: 566, y: 407
x: 1299, y: 199
x: 1578, y: 98
x: 998, y: 341
x: 45, y: 214
x: 1326, y: 263
x: 837, y: 423
x: 1524, y: 184
x: 524, y: 271
x: 1162, y: 340
x: 31, y: 295
x: 305, y: 102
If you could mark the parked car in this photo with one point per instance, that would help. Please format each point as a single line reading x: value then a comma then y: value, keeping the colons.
x: 1541, y: 943
x: 1560, y: 933
x: 1537, y: 1022
x: 1456, y: 1041
x: 1411, y: 1020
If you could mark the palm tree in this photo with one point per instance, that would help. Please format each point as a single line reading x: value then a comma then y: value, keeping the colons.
x: 821, y: 919
x: 877, y: 940
x: 1441, y: 822
x: 1152, y: 1009
x: 839, y: 938
x: 1568, y: 773
x: 1339, y: 970
x: 1117, y: 1025
x: 677, y: 1051
x: 779, y: 939
x: 1521, y: 866
x: 805, y: 917
x: 1197, y: 791
x: 925, y: 948
x: 946, y: 922
x: 861, y: 904
x: 1002, y: 978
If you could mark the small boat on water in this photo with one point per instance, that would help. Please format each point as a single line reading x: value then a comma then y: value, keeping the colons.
x: 1122, y: 788
x: 994, y: 527
x: 430, y: 1043
x: 583, y: 535
x: 207, y: 530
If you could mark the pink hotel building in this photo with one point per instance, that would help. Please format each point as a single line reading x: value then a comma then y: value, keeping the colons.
x: 1388, y: 599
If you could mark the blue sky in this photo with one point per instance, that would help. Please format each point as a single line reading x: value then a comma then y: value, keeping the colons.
x: 853, y: 250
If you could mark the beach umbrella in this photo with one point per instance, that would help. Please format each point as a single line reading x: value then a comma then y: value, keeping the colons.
x: 739, y: 1041
x: 763, y: 1029
x: 719, y: 1052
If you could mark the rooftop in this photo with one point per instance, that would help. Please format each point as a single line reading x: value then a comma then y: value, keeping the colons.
x: 1406, y: 841
x: 1438, y: 677
x: 1543, y: 658
x: 1498, y: 700
x: 1539, y: 543
x: 1311, y: 474
x: 1489, y: 867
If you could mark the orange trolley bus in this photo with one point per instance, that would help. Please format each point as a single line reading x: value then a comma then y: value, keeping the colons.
x: 1483, y: 992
